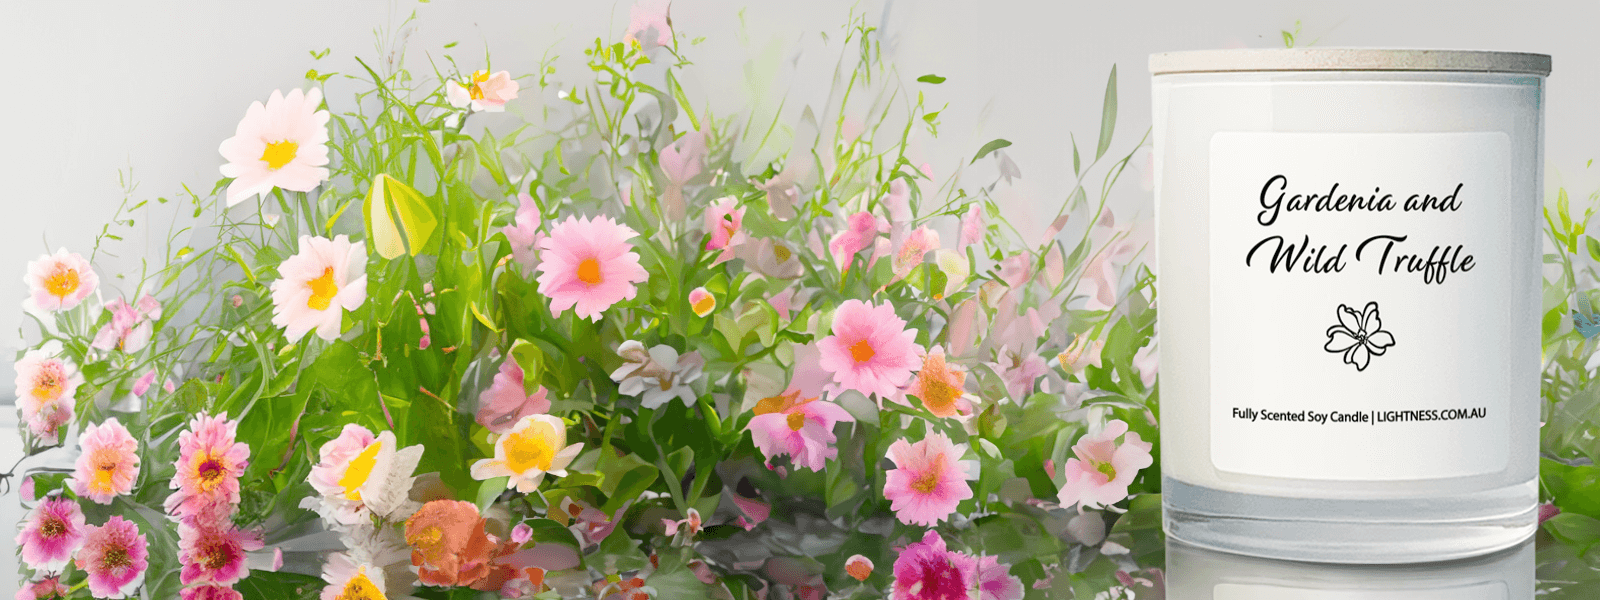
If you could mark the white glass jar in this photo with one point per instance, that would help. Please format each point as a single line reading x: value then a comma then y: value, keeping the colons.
x: 1349, y: 255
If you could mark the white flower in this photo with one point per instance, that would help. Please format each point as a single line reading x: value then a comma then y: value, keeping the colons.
x: 536, y: 445
x: 659, y: 374
x: 361, y: 476
x: 283, y: 144
x: 316, y: 286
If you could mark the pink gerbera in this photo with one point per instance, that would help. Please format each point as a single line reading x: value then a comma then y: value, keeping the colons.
x: 588, y: 263
x: 59, y: 281
x: 214, y: 552
x: 1100, y: 474
x: 927, y: 571
x: 929, y: 479
x: 109, y: 463
x: 210, y: 592
x: 209, y: 465
x: 114, y: 555
x: 317, y: 285
x: 506, y: 401
x: 46, y: 390
x: 870, y: 351
x: 800, y: 428
x: 283, y: 144
x: 53, y: 531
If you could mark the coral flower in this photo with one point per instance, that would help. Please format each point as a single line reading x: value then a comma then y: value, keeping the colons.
x: 523, y: 234
x: 361, y: 475
x: 48, y: 588
x: 536, y: 445
x: 1100, y: 474
x: 114, y: 555
x: 210, y: 463
x: 449, y: 545
x: 316, y: 286
x: 870, y: 351
x: 210, y: 592
x: 214, y: 553
x: 53, y: 531
x: 927, y: 571
x: 858, y: 567
x: 702, y: 302
x: 506, y: 402
x: 131, y: 325
x: 725, y: 224
x: 483, y: 92
x: 939, y: 386
x: 800, y: 428
x: 589, y: 264
x: 109, y: 463
x: 283, y: 144
x: 929, y: 479
x: 46, y: 392
x: 59, y: 281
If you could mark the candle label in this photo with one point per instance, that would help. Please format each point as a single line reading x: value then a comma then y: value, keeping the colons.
x: 1495, y: 590
x: 1360, y: 314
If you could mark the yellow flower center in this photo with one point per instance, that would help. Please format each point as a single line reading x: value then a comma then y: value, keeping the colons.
x: 52, y: 527
x: 1110, y: 471
x: 116, y: 557
x: 48, y: 387
x: 323, y: 289
x: 360, y: 470
x: 928, y: 480
x: 780, y: 252
x: 279, y: 153
x: 215, y: 558
x: 589, y: 271
x: 105, y: 463
x: 210, y: 470
x: 937, y: 395
x: 426, y: 540
x: 704, y: 305
x: 862, y: 351
x: 360, y: 587
x: 476, y: 89
x: 62, y: 282
x: 531, y: 448
x: 797, y: 421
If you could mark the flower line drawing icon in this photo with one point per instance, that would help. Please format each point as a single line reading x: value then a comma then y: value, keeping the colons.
x: 1358, y: 335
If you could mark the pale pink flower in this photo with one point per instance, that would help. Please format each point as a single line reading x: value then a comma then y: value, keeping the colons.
x: 870, y: 351
x: 143, y: 383
x: 916, y: 245
x: 971, y: 228
x: 46, y: 386
x: 702, y: 302
x: 1100, y: 474
x: 317, y: 285
x: 1100, y: 279
x: 483, y: 91
x: 1015, y: 270
x: 523, y: 234
x: 44, y: 589
x: 131, y: 325
x: 53, y: 531
x: 898, y: 200
x: 681, y: 161
x: 115, y: 557
x: 1020, y: 370
x: 209, y: 592
x: 283, y: 144
x: 534, y: 447
x: 995, y: 581
x: 929, y: 479
x: 506, y: 401
x: 588, y: 263
x: 802, y: 428
x: 939, y: 386
x: 725, y: 224
x: 861, y: 230
x: 59, y: 281
x: 361, y: 476
x: 648, y: 21
x: 1081, y: 353
x: 210, y: 463
x: 858, y: 567
x: 658, y: 374
x: 773, y: 258
x: 109, y: 463
x: 214, y: 554
x: 587, y: 523
x: 926, y: 570
x: 691, y: 524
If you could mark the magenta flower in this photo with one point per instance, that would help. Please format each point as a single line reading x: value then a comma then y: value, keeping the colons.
x: 210, y: 592
x: 214, y: 552
x: 523, y: 234
x: 929, y: 479
x: 210, y: 463
x: 53, y: 531
x: 589, y: 264
x: 995, y: 581
x: 59, y: 281
x: 861, y: 230
x: 506, y: 402
x: 1100, y: 474
x: 43, y: 589
x: 870, y: 351
x: 114, y: 555
x: 800, y: 428
x: 725, y: 225
x: 109, y: 463
x: 131, y: 325
x: 927, y: 571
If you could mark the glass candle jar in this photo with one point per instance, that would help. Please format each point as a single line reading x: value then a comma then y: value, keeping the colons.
x: 1349, y: 258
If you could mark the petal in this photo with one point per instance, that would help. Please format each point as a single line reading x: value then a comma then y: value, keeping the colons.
x: 1359, y: 356
x: 1380, y: 340
x: 1339, y: 340
x: 1349, y: 318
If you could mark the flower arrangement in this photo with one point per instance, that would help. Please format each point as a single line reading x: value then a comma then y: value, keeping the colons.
x: 623, y: 349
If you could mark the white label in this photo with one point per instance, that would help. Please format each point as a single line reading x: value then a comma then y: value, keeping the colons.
x: 1233, y: 591
x: 1360, y: 314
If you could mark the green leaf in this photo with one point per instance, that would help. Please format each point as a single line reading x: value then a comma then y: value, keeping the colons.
x: 489, y: 491
x: 1108, y: 115
x: 990, y: 147
x: 1582, y: 532
x: 624, y: 478
x: 931, y: 78
x: 1077, y: 162
x: 1594, y: 247
x: 531, y: 359
x: 388, y: 198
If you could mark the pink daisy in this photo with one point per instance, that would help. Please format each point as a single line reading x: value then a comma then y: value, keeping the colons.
x: 927, y: 571
x: 59, y: 281
x: 995, y: 581
x: 506, y: 402
x: 589, y: 264
x: 523, y: 234
x: 929, y: 479
x: 870, y: 351
x: 483, y: 91
x: 283, y: 144
x: 316, y: 286
x: 210, y: 592
x: 725, y: 224
x: 114, y: 557
x: 214, y: 552
x: 1100, y: 474
x: 46, y: 390
x: 131, y: 325
x: 43, y: 589
x: 800, y: 428
x: 109, y: 463
x: 210, y: 463
x: 53, y: 531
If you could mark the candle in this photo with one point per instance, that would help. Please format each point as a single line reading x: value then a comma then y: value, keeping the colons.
x: 1349, y: 254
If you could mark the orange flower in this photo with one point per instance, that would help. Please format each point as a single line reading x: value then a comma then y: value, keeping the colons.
x: 448, y: 543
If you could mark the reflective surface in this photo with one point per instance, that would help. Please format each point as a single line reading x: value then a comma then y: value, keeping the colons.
x: 1198, y: 574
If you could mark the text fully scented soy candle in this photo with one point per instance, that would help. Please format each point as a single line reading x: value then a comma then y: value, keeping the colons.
x: 1349, y: 261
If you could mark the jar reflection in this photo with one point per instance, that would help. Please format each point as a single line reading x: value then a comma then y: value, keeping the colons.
x: 1195, y: 573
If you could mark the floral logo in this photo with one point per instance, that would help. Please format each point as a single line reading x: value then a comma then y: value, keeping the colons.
x: 1358, y: 335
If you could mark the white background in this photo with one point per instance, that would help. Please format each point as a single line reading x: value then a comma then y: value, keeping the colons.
x: 94, y: 88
